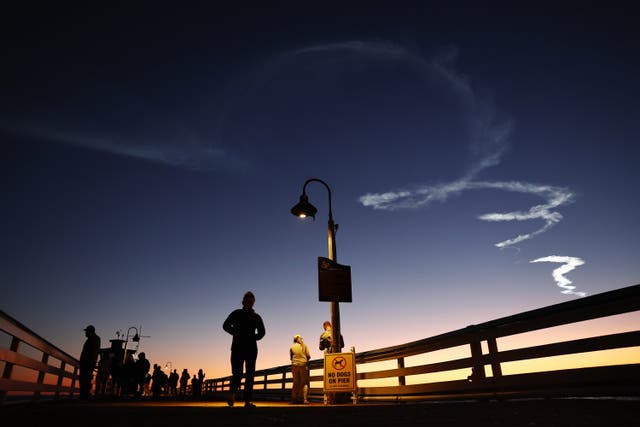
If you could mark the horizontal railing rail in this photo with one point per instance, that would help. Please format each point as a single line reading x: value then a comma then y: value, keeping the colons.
x: 405, y: 375
x: 54, y: 373
x: 485, y: 366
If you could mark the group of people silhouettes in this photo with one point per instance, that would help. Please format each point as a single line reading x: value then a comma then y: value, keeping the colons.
x: 133, y: 377
x: 245, y: 326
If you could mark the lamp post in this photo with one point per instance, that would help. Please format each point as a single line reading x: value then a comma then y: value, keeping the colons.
x: 304, y: 209
x: 136, y: 338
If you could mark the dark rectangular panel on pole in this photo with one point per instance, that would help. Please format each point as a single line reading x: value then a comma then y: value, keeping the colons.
x: 334, y: 281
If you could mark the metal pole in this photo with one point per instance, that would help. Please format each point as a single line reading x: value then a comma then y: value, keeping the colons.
x: 331, y: 241
x: 335, y: 306
x: 126, y: 344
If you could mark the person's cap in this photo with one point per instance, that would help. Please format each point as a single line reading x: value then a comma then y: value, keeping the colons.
x: 90, y: 328
x: 296, y: 336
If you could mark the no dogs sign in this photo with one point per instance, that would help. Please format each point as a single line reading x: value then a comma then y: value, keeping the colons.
x: 339, y: 372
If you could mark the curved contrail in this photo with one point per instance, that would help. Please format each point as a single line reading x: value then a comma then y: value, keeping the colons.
x: 489, y: 135
x: 423, y: 196
x: 569, y: 264
x: 183, y: 149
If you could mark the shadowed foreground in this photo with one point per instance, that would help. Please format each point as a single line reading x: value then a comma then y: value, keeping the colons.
x: 543, y: 412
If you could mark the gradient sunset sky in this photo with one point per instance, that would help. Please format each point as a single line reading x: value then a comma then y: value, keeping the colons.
x: 482, y: 162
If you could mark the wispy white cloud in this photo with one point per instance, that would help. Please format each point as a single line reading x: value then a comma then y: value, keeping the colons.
x: 568, y: 264
x: 378, y: 49
x: 488, y: 129
x: 489, y: 133
x: 184, y: 150
x: 554, y: 196
x: 424, y: 196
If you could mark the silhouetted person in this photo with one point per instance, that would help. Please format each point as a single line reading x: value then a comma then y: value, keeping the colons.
x: 147, y: 385
x: 102, y: 377
x: 201, y: 376
x: 158, y: 381
x: 174, y: 377
x: 326, y: 338
x: 128, y: 377
x: 116, y: 375
x: 141, y: 369
x: 299, y: 355
x: 184, y: 381
x: 196, y: 387
x: 88, y: 359
x: 247, y: 328
x: 326, y: 342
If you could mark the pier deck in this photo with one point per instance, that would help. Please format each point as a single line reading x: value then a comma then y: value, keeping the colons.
x: 514, y: 413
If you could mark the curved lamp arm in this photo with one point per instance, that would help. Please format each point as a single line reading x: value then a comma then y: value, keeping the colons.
x: 304, y: 192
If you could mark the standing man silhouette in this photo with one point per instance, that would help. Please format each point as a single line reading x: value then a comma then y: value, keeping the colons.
x: 246, y: 327
x: 88, y: 359
x: 142, y: 366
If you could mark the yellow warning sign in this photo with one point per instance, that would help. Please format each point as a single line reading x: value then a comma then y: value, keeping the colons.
x: 339, y: 372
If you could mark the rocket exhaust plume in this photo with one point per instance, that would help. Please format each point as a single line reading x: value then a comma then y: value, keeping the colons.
x: 489, y: 134
x: 568, y: 264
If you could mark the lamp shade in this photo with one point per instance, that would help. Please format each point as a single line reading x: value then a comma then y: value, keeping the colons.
x: 304, y: 209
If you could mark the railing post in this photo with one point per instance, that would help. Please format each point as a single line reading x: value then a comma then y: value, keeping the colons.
x: 496, y: 369
x: 45, y: 360
x: 477, y: 371
x: 8, y: 367
x: 401, y: 378
x: 63, y: 366
x: 354, y: 395
x: 73, y: 381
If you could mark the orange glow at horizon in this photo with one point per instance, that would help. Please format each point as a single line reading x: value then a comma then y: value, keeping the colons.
x: 592, y: 328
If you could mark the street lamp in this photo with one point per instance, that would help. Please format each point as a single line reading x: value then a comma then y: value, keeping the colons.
x: 136, y: 338
x: 304, y: 209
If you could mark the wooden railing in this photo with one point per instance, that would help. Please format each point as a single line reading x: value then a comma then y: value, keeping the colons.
x: 49, y: 372
x: 480, y: 372
x: 477, y: 373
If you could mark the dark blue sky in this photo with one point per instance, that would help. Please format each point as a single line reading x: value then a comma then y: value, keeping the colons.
x: 152, y: 154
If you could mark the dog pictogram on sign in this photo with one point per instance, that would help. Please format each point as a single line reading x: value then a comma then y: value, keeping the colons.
x: 339, y: 363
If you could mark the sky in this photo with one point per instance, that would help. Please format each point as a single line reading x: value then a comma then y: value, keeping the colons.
x: 482, y: 162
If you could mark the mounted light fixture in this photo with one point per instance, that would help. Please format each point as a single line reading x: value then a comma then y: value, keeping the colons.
x: 304, y: 209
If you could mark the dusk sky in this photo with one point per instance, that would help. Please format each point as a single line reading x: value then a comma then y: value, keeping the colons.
x: 482, y: 162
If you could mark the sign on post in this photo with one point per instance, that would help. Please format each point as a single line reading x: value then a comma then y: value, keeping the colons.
x: 339, y: 372
x: 334, y: 281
